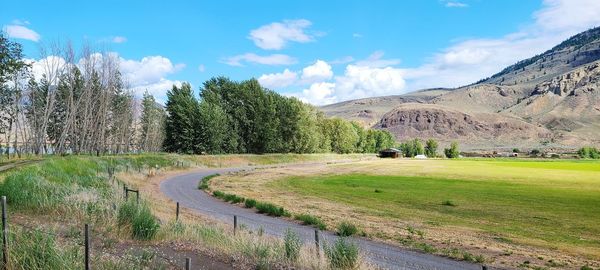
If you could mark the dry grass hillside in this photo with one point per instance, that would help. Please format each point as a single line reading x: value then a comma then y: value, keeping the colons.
x: 549, y: 100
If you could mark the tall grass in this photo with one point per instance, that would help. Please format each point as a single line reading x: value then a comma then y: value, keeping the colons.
x: 36, y: 250
x: 139, y: 218
x: 311, y: 220
x: 343, y: 254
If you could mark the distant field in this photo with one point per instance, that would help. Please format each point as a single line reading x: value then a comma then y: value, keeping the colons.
x: 551, y: 205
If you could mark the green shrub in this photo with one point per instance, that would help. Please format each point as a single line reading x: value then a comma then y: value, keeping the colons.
x: 589, y: 152
x: 308, y: 219
x: 453, y: 151
x: 250, y: 203
x: 203, y: 184
x: 271, y: 209
x: 346, y: 229
x: 139, y: 217
x: 219, y: 194
x: 232, y: 198
x: 342, y: 255
x: 516, y: 150
x: 535, y: 152
x: 292, y: 245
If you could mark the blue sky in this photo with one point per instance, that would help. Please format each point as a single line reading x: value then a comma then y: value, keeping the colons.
x: 319, y: 51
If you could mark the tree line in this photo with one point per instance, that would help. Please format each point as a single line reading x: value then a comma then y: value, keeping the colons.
x: 81, y: 104
x: 414, y: 147
x: 244, y: 117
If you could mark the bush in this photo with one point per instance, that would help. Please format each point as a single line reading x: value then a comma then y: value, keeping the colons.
x: 346, y: 229
x: 308, y: 219
x: 431, y: 148
x: 232, y: 198
x: 219, y: 194
x: 203, y: 184
x: 342, y: 255
x: 250, y: 203
x: 534, y: 153
x: 145, y: 225
x: 516, y: 150
x: 139, y: 217
x: 271, y: 209
x: 589, y: 152
x: 452, y: 152
x: 292, y: 245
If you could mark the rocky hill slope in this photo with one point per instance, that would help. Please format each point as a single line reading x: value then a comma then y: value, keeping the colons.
x: 551, y: 100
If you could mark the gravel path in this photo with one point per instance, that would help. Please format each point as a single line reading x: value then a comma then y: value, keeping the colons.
x: 183, y: 188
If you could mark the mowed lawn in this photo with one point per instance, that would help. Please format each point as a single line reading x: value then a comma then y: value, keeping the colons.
x: 547, y: 203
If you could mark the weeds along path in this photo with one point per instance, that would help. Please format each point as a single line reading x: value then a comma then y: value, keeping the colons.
x: 184, y: 189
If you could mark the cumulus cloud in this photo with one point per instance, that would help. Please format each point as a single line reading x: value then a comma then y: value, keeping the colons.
x: 275, y: 36
x: 473, y: 59
x: 119, y: 39
x: 148, y: 70
x: 357, y: 82
x: 21, y: 32
x: 147, y: 74
x: 318, y: 94
x: 317, y: 72
x: 278, y: 80
x: 273, y: 59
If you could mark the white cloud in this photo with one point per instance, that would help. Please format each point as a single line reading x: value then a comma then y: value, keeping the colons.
x: 376, y: 60
x: 158, y: 89
x: 357, y: 35
x: 150, y: 73
x: 357, y: 82
x: 148, y: 70
x: 119, y: 39
x: 473, y: 59
x: 273, y: 59
x: 21, y: 32
x: 278, y: 80
x: 276, y: 35
x: 201, y: 68
x: 318, y: 94
x: 456, y: 4
x: 319, y: 71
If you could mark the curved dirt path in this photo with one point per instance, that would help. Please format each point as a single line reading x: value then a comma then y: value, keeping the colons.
x: 184, y: 189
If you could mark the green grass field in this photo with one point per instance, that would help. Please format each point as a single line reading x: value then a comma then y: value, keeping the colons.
x: 553, y: 204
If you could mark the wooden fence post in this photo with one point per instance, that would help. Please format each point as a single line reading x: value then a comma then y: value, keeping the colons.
x: 317, y: 243
x: 177, y: 212
x: 234, y: 224
x: 4, y: 234
x: 87, y: 246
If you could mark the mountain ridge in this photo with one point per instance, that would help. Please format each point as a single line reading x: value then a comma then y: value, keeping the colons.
x: 551, y: 100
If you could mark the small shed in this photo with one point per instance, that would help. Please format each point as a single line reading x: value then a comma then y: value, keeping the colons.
x: 389, y: 153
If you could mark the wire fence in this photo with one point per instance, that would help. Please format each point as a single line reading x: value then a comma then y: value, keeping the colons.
x: 10, y: 238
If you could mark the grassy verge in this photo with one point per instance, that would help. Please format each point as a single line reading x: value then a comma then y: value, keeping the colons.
x: 70, y: 191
